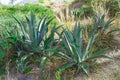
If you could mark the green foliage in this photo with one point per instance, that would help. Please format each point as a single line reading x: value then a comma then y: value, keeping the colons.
x: 9, y: 37
x: 57, y: 75
x: 2, y: 53
x: 8, y: 43
x: 22, y: 65
x: 25, y: 9
x: 2, y: 68
x: 76, y: 53
x: 20, y: 10
x: 85, y: 10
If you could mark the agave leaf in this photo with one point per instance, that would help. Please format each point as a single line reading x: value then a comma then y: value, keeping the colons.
x: 111, y: 31
x: 76, y: 30
x: 98, y: 54
x: 68, y: 44
x: 50, y: 19
x: 65, y: 66
x: 69, y: 59
x: 32, y: 25
x: 65, y: 45
x: 37, y: 30
x: 85, y: 68
x: 79, y: 43
x: 90, y: 42
x: 102, y: 20
x: 48, y: 41
x: 42, y: 62
x: 77, y: 34
x: 98, y: 21
x: 68, y: 35
x: 42, y: 29
x: 41, y: 22
x: 30, y: 29
x: 33, y: 20
x: 22, y: 27
x: 24, y: 57
x: 107, y: 25
x: 105, y: 56
x: 77, y: 55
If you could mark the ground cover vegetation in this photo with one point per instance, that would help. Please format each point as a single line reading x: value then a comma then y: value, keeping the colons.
x: 34, y: 36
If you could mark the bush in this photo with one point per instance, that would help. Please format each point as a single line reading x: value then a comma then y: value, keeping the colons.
x: 9, y: 41
x: 84, y: 10
x: 27, y: 8
x: 9, y: 38
x: 19, y: 10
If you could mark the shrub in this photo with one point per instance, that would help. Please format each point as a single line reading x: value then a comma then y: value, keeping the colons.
x: 20, y: 10
x: 27, y: 8
x: 83, y: 9
x: 9, y: 37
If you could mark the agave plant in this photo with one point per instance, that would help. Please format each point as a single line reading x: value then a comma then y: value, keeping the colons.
x: 38, y: 39
x: 99, y: 22
x: 105, y: 38
x: 36, y: 33
x: 105, y: 34
x: 76, y: 54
